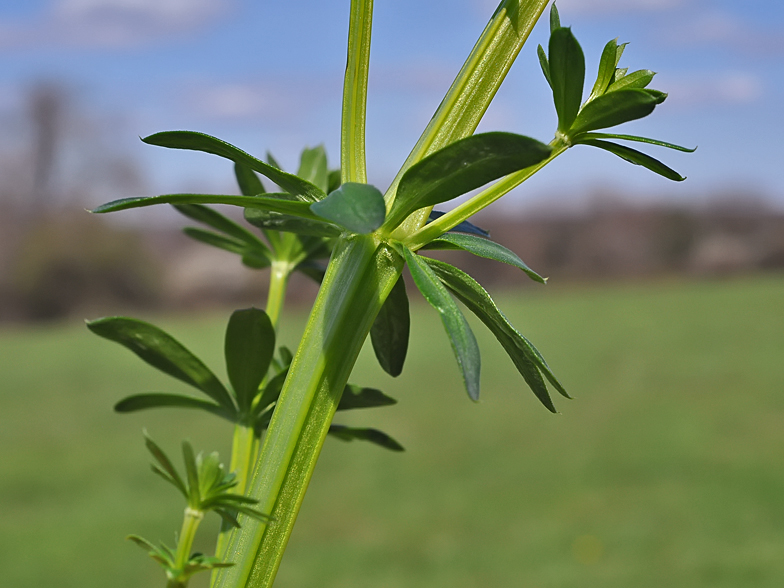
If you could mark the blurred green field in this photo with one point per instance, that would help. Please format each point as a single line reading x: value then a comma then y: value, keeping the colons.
x: 666, y: 470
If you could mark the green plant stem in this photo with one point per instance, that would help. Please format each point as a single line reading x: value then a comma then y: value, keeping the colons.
x: 243, y: 455
x: 190, y: 523
x: 276, y: 295
x: 486, y: 197
x: 360, y: 276
x: 352, y: 137
x: 473, y: 89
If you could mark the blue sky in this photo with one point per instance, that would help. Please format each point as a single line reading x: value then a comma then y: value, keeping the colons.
x: 268, y: 76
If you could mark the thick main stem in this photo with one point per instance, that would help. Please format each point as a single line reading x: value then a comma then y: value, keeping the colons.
x: 360, y: 276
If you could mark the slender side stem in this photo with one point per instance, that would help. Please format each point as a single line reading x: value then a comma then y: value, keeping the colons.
x: 486, y: 197
x: 243, y: 455
x: 359, y: 278
x: 352, y: 137
x: 474, y: 87
x: 190, y: 523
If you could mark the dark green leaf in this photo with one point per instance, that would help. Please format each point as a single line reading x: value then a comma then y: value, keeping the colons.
x: 607, y: 65
x: 162, y: 351
x: 483, y: 248
x: 528, y: 361
x: 290, y: 224
x: 615, y: 108
x: 373, y: 435
x: 313, y: 167
x: 208, y: 144
x: 315, y: 271
x: 252, y: 257
x: 271, y: 393
x: 273, y: 162
x: 555, y: 19
x: 638, y: 79
x: 463, y: 227
x: 250, y: 344
x: 461, y: 167
x: 389, y: 334
x: 357, y: 207
x: 253, y: 260
x: 161, y: 400
x: 567, y: 76
x: 274, y: 202
x: 170, y: 473
x: 248, y: 181
x: 461, y: 337
x: 229, y: 518
x: 635, y: 138
x: 193, y: 475
x: 356, y: 397
x: 333, y: 180
x: 545, y: 65
x: 637, y: 158
x: 217, y: 221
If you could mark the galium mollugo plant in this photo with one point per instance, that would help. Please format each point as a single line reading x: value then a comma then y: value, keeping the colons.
x: 283, y: 408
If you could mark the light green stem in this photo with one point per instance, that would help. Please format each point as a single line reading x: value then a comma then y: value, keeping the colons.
x: 360, y: 276
x: 276, y: 295
x: 470, y: 94
x: 190, y: 523
x: 352, y: 136
x: 243, y: 455
x: 454, y: 217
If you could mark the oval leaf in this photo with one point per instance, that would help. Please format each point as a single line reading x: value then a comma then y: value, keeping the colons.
x: 567, y: 75
x: 483, y: 248
x: 209, y: 144
x: 357, y: 207
x: 461, y: 337
x: 615, y: 108
x: 389, y: 334
x: 250, y: 344
x: 461, y: 167
x: 162, y: 351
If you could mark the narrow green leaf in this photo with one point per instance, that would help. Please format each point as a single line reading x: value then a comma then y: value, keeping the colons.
x: 270, y: 394
x: 357, y: 397
x: 619, y: 74
x: 162, y: 351
x: 250, y: 344
x: 545, y: 65
x: 528, y: 361
x: 483, y: 248
x: 273, y: 162
x: 248, y: 181
x: 287, y: 223
x: 607, y: 65
x: 615, y: 108
x: 166, y: 464
x: 389, y: 334
x: 638, y: 79
x: 461, y: 337
x: 357, y: 207
x: 618, y: 54
x: 208, y: 144
x: 555, y: 19
x: 313, y: 167
x: 637, y: 158
x: 567, y: 75
x: 212, y: 218
x: 253, y: 257
x: 461, y: 167
x: 372, y: 435
x: 192, y: 473
x: 162, y: 400
x: 635, y: 138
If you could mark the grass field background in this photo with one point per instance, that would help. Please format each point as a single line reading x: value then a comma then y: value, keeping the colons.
x: 666, y: 470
